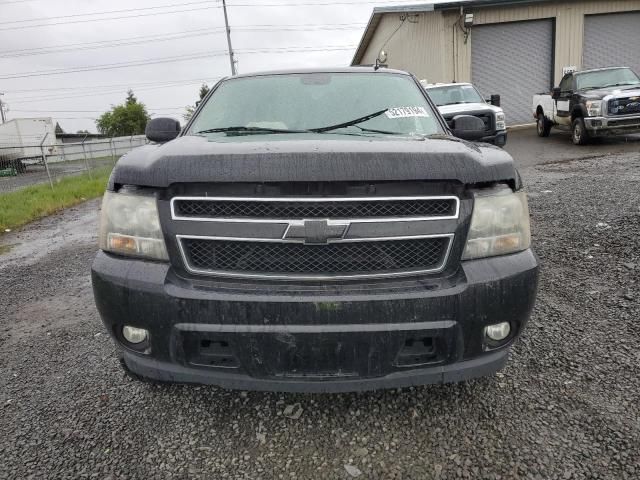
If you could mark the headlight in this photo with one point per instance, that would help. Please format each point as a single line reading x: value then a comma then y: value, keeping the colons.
x: 129, y: 225
x: 594, y: 108
x: 500, y: 121
x: 499, y: 225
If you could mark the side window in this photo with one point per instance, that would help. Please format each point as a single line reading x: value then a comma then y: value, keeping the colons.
x: 565, y: 83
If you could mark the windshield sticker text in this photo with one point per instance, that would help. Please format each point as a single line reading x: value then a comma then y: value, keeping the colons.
x: 406, y: 112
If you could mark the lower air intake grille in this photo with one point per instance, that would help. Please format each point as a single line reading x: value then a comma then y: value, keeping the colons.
x: 245, y: 258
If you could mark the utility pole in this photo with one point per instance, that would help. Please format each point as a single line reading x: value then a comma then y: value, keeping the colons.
x: 2, y: 109
x: 226, y: 23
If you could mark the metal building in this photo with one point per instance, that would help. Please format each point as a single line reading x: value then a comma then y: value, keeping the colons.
x: 514, y: 48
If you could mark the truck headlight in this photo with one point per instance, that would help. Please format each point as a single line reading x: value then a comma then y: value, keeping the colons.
x: 499, y: 225
x: 129, y: 225
x: 501, y: 124
x: 594, y: 108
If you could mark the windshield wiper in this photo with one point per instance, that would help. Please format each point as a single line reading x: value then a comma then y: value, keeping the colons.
x: 619, y: 84
x: 373, y: 130
x: 249, y: 130
x: 454, y: 103
x: 349, y: 123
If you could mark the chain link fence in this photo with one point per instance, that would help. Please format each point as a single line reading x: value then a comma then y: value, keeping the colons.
x: 42, y: 162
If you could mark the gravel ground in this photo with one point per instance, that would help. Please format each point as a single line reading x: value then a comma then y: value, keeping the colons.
x: 566, y: 406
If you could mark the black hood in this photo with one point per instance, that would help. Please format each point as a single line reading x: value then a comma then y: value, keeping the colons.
x: 314, y: 157
x: 600, y: 93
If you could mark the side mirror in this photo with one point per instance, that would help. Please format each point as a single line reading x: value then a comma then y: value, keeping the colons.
x: 495, y: 100
x: 161, y: 130
x: 467, y: 127
x: 555, y: 93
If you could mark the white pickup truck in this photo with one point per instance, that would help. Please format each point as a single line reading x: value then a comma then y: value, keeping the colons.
x: 591, y: 103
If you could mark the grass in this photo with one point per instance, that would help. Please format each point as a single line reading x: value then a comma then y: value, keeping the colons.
x: 31, y: 203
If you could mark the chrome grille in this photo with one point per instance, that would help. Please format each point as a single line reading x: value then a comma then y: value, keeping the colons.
x: 291, y: 260
x: 314, y: 237
x: 624, y: 106
x: 487, y: 119
x: 282, y: 208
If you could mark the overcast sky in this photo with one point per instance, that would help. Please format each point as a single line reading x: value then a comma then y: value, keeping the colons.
x: 195, y: 28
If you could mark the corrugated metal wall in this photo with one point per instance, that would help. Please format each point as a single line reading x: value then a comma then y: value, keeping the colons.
x: 612, y: 40
x: 433, y: 48
x: 498, y: 66
x: 417, y: 45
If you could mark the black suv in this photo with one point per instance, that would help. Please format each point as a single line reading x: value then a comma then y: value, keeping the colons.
x: 315, y: 231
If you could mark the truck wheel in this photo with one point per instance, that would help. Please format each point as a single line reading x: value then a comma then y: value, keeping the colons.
x: 19, y: 166
x: 543, y: 125
x: 579, y: 134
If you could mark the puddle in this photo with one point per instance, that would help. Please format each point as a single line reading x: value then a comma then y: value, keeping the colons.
x: 7, y: 248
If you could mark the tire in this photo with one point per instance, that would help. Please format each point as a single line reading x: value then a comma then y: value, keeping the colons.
x: 19, y: 166
x: 579, y: 134
x: 543, y: 126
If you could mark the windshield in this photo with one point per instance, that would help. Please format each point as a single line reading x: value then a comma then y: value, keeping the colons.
x: 384, y: 103
x: 616, y: 77
x: 454, y: 94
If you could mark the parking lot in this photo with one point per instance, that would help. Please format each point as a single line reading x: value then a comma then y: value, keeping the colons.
x: 566, y: 406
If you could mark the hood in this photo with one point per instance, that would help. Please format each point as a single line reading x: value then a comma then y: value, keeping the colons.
x: 462, y: 108
x: 616, y: 92
x: 315, y: 157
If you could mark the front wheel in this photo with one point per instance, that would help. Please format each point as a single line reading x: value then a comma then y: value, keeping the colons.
x: 579, y: 134
x: 543, y: 125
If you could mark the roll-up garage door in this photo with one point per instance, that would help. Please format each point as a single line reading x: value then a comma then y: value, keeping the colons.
x: 513, y: 60
x: 612, y: 40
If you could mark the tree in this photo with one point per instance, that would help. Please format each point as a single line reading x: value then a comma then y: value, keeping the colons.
x: 129, y: 118
x: 204, y: 90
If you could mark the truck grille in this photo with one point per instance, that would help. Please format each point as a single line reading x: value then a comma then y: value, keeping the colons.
x: 624, y: 106
x: 295, y: 260
x: 203, y: 208
x: 487, y: 118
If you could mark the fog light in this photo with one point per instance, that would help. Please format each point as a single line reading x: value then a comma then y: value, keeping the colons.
x: 134, y: 335
x: 498, y: 332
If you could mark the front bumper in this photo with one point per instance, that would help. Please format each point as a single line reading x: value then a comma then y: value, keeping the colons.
x: 604, y: 126
x: 319, y: 338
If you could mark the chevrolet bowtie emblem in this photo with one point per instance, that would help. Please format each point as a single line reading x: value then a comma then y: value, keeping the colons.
x: 315, y: 231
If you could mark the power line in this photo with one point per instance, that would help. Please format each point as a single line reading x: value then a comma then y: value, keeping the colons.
x: 180, y: 58
x: 71, y: 47
x: 98, y: 110
x: 328, y: 4
x: 6, y: 2
x: 108, y: 66
x: 167, y: 83
x: 90, y: 94
x: 105, y: 43
x: 103, y: 19
x: 108, y: 12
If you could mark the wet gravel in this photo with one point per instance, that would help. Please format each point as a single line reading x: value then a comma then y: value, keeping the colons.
x: 567, y: 406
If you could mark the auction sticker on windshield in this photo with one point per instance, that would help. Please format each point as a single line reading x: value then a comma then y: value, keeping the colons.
x: 405, y: 112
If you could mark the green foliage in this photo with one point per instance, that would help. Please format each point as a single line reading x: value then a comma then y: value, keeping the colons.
x: 23, y: 206
x: 189, y: 109
x: 204, y: 89
x: 129, y: 118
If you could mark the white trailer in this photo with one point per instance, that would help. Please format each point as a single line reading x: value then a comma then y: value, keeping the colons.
x: 23, y: 140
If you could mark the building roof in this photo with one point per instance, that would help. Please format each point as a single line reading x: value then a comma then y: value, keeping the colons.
x: 379, y: 12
